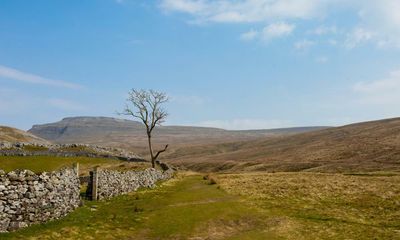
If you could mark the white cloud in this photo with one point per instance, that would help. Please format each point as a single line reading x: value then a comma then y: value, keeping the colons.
x: 322, y: 59
x: 244, y: 10
x: 357, y: 37
x: 269, y: 32
x: 325, y: 30
x: 304, y: 44
x: 16, y: 75
x: 245, y: 124
x: 250, y: 35
x: 187, y: 6
x: 377, y: 22
x: 383, y: 91
x: 383, y: 18
x: 276, y: 30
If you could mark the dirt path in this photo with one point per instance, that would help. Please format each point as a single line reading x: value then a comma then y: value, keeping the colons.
x: 185, y: 208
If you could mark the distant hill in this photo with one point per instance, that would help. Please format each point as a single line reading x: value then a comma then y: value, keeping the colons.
x: 128, y: 134
x: 368, y: 146
x: 8, y: 134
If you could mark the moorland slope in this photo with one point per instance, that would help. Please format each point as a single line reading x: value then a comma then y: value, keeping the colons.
x: 367, y: 146
x: 9, y: 134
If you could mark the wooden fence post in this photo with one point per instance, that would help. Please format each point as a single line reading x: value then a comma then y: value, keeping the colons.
x: 95, y: 179
x: 76, y: 169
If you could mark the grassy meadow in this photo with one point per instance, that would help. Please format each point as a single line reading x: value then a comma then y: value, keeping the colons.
x: 187, y: 207
x: 240, y: 206
x: 323, y: 206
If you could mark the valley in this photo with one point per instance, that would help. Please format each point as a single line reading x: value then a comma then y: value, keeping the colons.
x: 200, y: 120
x: 328, y: 183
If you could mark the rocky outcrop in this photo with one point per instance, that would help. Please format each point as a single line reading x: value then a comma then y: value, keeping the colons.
x: 114, y: 183
x: 27, y: 198
x: 72, y: 129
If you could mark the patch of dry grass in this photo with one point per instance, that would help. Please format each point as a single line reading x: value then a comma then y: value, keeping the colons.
x: 323, y: 206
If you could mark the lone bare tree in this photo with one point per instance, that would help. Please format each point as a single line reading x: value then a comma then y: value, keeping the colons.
x: 145, y: 105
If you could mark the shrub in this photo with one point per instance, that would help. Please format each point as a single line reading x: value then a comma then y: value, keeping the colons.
x: 212, y: 180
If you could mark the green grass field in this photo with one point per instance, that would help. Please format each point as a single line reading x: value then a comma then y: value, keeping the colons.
x: 240, y: 206
x: 184, y: 208
x: 49, y: 163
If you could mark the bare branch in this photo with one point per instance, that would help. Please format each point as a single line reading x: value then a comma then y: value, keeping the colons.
x: 161, y: 151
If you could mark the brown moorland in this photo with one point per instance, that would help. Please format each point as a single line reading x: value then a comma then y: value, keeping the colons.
x: 9, y: 134
x: 368, y: 146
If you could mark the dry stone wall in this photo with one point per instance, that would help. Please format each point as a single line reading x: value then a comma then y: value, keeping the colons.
x: 27, y: 198
x: 66, y: 150
x: 114, y: 183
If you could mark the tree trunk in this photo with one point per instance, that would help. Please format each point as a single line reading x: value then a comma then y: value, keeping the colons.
x: 151, y: 150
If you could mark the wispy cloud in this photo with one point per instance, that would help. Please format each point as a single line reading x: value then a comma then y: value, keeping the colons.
x: 382, y: 18
x: 246, y: 124
x: 304, y: 44
x: 278, y: 29
x: 16, y: 75
x: 324, y: 30
x: 244, y: 10
x: 269, y: 32
x: 192, y: 7
x: 357, y: 37
x: 250, y: 35
x: 322, y: 59
x: 383, y: 91
x: 377, y: 22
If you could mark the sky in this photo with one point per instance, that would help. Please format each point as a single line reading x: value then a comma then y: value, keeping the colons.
x: 234, y: 64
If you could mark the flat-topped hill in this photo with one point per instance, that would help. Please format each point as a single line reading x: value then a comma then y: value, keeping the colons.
x: 131, y: 134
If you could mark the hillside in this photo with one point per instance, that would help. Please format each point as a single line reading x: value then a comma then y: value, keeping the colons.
x: 368, y: 146
x: 8, y: 134
x: 131, y: 135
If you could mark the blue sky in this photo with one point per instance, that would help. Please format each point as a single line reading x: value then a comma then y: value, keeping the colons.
x: 242, y: 64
